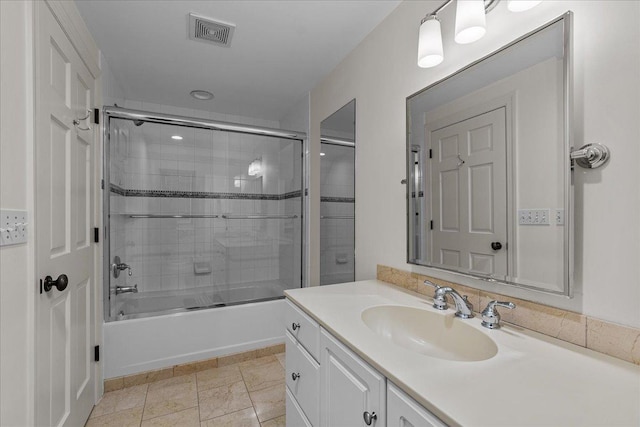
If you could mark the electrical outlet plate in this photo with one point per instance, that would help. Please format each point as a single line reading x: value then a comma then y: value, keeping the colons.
x: 14, y: 228
x: 533, y: 216
x: 559, y: 217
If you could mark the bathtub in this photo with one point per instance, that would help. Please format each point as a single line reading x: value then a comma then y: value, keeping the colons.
x: 137, y: 345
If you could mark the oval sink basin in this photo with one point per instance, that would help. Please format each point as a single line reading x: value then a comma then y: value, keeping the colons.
x: 429, y: 333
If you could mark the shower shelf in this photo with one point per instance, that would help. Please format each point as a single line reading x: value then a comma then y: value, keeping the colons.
x: 337, y: 217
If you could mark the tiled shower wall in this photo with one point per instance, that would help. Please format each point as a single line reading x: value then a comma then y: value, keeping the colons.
x: 160, y: 175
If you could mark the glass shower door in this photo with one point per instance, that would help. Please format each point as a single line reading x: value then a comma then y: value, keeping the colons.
x: 200, y: 218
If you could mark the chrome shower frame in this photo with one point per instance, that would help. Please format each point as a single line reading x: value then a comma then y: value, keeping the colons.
x: 109, y: 113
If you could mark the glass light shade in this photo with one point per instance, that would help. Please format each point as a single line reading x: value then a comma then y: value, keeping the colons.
x: 255, y: 168
x: 522, y: 5
x: 430, y: 51
x: 471, y: 22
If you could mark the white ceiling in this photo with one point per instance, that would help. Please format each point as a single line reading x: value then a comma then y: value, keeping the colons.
x: 279, y: 52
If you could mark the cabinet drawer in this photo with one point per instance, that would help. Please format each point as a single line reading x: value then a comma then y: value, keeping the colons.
x: 295, y: 417
x: 403, y: 411
x: 304, y: 329
x: 306, y: 387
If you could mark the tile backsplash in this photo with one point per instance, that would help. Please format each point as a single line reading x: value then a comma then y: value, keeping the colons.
x: 614, y: 340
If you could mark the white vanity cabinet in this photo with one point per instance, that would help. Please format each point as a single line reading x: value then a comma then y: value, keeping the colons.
x: 338, y: 388
x: 349, y: 387
x: 403, y: 411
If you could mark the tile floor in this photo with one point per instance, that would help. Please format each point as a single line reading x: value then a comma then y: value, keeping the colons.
x: 246, y: 394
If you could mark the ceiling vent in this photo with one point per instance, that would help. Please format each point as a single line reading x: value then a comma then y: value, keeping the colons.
x: 210, y: 31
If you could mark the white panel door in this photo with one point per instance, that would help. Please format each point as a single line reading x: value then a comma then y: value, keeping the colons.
x: 349, y: 388
x: 469, y: 194
x: 64, y: 212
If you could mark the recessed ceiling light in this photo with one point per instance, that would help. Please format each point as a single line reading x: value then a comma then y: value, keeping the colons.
x: 178, y: 137
x: 322, y: 154
x: 202, y: 95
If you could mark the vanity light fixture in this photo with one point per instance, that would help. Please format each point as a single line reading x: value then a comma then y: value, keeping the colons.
x: 430, y: 51
x: 471, y: 22
x: 470, y: 26
x: 177, y: 137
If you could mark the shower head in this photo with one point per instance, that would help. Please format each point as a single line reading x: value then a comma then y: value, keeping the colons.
x: 138, y: 122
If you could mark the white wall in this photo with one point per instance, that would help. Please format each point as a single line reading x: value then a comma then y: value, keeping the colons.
x: 381, y: 72
x: 17, y: 283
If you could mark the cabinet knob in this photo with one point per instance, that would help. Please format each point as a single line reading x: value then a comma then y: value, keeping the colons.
x: 369, y: 417
x: 295, y: 326
x: 295, y: 376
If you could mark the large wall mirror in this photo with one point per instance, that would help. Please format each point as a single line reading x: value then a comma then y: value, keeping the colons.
x: 337, y: 196
x: 488, y: 169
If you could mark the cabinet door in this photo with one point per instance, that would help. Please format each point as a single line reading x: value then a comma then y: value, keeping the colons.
x: 403, y: 411
x: 349, y: 387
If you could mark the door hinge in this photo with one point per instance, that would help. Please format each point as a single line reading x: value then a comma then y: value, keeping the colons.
x: 96, y: 353
x: 40, y: 286
x: 96, y: 235
x: 102, y: 184
x: 430, y: 153
x: 96, y: 116
x: 431, y: 225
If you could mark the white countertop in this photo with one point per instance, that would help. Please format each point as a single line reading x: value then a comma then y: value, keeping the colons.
x: 533, y: 380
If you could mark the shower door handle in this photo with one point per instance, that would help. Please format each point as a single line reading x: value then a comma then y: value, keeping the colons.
x: 60, y: 283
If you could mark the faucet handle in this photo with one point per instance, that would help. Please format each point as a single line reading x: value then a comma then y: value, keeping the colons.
x: 430, y: 283
x: 439, y: 298
x: 490, y: 315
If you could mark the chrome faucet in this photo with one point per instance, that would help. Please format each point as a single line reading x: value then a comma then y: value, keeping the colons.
x: 464, y: 309
x: 118, y: 266
x: 126, y: 289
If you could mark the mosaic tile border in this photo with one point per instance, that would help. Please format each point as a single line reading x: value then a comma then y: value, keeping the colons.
x: 622, y: 342
x: 118, y: 383
x: 202, y: 194
x: 117, y: 190
x: 338, y: 199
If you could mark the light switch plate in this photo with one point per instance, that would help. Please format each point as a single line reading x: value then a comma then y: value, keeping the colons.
x: 533, y: 216
x: 14, y: 227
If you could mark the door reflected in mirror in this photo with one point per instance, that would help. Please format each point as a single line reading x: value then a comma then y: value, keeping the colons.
x: 488, y: 172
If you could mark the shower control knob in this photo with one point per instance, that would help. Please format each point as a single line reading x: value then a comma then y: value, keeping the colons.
x: 295, y: 376
x: 496, y: 246
x: 60, y: 283
x: 295, y: 326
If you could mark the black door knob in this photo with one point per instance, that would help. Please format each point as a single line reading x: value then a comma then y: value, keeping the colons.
x: 496, y: 246
x: 60, y: 283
